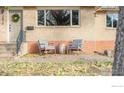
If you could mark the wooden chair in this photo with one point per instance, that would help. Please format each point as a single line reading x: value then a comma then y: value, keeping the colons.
x: 76, y: 45
x: 44, y: 47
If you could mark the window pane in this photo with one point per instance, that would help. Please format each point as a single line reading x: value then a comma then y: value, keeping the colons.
x: 115, y: 20
x: 40, y: 17
x: 75, y: 17
x: 109, y: 20
x: 57, y: 17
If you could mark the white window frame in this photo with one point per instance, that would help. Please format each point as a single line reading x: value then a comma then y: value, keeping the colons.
x: 79, y: 20
x: 112, y: 20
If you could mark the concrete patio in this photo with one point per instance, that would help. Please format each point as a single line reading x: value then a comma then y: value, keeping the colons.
x: 62, y: 58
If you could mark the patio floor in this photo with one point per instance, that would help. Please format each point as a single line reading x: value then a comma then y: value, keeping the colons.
x: 63, y: 58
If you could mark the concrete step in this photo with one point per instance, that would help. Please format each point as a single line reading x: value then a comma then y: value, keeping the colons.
x: 6, y: 59
x: 7, y: 49
x: 7, y: 54
x: 8, y: 46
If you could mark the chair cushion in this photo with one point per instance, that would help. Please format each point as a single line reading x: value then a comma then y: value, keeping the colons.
x: 43, y: 43
x: 50, y: 47
x: 42, y: 46
x: 73, y: 47
x: 76, y: 44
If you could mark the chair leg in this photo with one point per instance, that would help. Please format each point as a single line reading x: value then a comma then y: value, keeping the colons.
x: 78, y: 51
x: 45, y: 51
x: 55, y: 51
x: 40, y: 51
x: 71, y: 51
x: 67, y: 51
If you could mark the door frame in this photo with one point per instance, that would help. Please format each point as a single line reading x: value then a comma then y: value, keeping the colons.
x: 8, y: 40
x: 8, y: 30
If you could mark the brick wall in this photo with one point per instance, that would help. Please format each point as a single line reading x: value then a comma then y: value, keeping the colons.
x: 88, y: 46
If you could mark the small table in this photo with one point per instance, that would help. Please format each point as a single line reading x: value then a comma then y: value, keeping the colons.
x: 62, y: 48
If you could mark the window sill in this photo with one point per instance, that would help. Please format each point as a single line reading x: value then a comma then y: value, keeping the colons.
x: 57, y: 26
x: 110, y: 28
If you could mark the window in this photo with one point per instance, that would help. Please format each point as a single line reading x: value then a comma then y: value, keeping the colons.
x: 40, y: 17
x: 58, y: 17
x: 75, y: 17
x: 112, y: 20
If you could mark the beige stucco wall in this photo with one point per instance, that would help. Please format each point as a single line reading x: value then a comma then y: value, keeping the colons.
x: 92, y: 26
x: 101, y: 31
x: 84, y: 31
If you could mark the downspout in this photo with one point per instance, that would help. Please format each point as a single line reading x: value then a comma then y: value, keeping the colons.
x: 95, y: 29
x: 99, y: 8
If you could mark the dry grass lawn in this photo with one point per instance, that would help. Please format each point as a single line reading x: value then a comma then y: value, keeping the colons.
x: 55, y: 69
